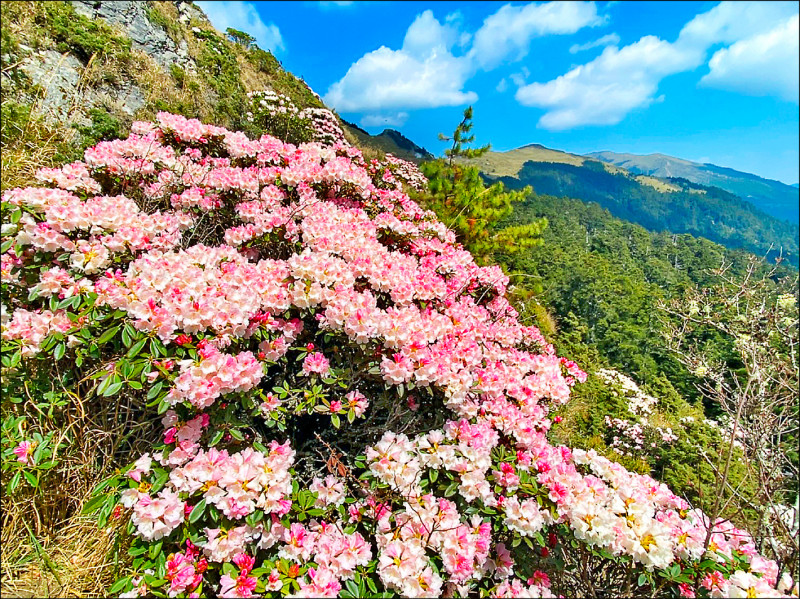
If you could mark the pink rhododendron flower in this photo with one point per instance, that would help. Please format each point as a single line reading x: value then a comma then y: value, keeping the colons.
x: 317, y: 363
x: 23, y: 451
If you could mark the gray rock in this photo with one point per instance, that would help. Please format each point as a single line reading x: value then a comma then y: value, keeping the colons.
x: 127, y: 98
x: 131, y: 17
x: 58, y: 76
x: 62, y: 98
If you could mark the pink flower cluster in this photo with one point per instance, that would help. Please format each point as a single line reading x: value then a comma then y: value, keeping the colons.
x: 323, y: 124
x: 317, y: 242
x: 31, y: 328
x: 216, y: 374
x: 408, y: 172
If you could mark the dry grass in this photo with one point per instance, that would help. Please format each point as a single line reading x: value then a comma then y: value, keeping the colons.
x: 508, y: 164
x: 49, y: 548
x: 656, y: 184
x: 38, y: 146
x: 78, y: 561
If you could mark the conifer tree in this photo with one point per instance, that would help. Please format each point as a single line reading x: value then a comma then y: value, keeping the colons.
x: 459, y: 195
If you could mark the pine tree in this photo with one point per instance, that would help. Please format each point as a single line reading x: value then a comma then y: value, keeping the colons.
x: 459, y: 195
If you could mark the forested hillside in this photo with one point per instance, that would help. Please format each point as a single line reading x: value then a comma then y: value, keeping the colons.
x: 691, y: 208
x: 773, y: 197
x: 602, y: 278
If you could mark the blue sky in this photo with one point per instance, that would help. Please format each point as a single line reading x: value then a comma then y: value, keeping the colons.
x: 705, y: 81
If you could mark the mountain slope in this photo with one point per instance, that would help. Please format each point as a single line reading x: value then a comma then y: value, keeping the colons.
x: 675, y: 205
x: 75, y: 73
x: 773, y: 197
x: 388, y: 141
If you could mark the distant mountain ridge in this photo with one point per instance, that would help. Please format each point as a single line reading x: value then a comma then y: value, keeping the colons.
x: 674, y: 204
x: 389, y: 141
x: 773, y: 197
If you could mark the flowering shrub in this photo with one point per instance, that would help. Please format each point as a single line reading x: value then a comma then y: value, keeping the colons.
x: 349, y: 404
x: 636, y: 436
x: 278, y: 115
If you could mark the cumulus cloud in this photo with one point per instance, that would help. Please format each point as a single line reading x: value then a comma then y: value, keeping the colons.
x: 384, y: 120
x: 424, y: 73
x: 730, y: 22
x: 612, y: 39
x: 427, y: 73
x: 606, y: 89
x: 502, y: 85
x: 244, y: 17
x: 506, y: 35
x: 764, y: 64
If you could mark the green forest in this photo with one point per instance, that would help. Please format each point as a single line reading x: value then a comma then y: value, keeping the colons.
x: 701, y: 211
x: 597, y: 286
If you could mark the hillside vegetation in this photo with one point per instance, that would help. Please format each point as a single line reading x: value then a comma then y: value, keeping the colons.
x: 701, y: 211
x: 73, y: 75
x: 773, y: 197
x: 246, y: 352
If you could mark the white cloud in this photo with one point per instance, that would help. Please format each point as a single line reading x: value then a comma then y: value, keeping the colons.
x: 764, y: 64
x: 730, y: 22
x: 502, y: 86
x: 384, y: 120
x: 422, y: 74
x: 506, y: 34
x: 244, y: 17
x: 605, y: 90
x: 336, y: 3
x: 425, y: 72
x: 612, y: 39
x: 521, y: 78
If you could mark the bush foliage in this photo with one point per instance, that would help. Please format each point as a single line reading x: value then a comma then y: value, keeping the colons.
x: 344, y: 402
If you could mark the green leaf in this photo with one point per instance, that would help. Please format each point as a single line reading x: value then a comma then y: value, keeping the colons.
x: 112, y: 389
x: 197, y: 511
x: 93, y: 504
x: 161, y: 479
x: 353, y: 588
x: 155, y: 389
x: 217, y: 437
x: 31, y: 478
x: 136, y: 348
x: 155, y: 549
x: 58, y: 353
x: 336, y: 421
x: 14, y: 481
x: 121, y: 584
x: 108, y: 335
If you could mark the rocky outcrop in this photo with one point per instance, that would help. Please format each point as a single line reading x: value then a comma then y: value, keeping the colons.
x: 62, y: 97
x: 132, y: 19
x: 61, y: 94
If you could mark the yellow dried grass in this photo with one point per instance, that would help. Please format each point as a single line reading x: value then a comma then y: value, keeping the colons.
x: 77, y: 560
